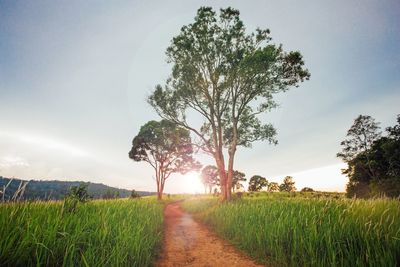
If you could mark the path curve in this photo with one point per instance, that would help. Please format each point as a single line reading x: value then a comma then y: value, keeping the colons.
x: 189, y: 243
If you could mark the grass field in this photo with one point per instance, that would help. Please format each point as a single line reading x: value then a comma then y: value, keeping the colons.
x: 307, y: 229
x: 121, y: 232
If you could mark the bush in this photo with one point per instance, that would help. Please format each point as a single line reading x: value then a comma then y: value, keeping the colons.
x: 80, y: 193
x: 307, y: 189
x: 134, y: 194
x: 77, y: 194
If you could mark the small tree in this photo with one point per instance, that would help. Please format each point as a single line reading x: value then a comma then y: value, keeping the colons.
x: 238, y: 177
x: 79, y: 192
x: 134, y: 194
x: 167, y: 148
x: 209, y: 177
x: 109, y: 194
x: 273, y: 187
x: 287, y: 185
x: 256, y: 183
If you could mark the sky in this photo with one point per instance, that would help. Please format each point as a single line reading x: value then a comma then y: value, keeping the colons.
x: 75, y: 75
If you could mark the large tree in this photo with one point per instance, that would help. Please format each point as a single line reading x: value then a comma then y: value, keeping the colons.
x: 257, y: 182
x: 228, y: 77
x: 360, y: 137
x: 373, y: 163
x: 166, y: 147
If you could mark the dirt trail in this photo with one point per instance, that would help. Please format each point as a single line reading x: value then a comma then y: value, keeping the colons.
x: 189, y: 243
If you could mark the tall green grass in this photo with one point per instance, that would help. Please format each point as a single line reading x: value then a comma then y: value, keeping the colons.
x: 308, y: 232
x: 99, y: 233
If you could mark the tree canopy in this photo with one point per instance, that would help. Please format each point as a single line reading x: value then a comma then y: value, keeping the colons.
x: 228, y: 77
x: 273, y: 186
x: 238, y: 177
x: 166, y: 147
x: 209, y: 177
x: 360, y: 137
x: 287, y: 185
x: 373, y: 161
x: 256, y: 183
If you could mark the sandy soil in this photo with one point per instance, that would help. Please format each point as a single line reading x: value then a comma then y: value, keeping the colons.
x: 189, y: 243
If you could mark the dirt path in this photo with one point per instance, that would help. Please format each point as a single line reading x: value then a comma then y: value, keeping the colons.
x: 188, y: 243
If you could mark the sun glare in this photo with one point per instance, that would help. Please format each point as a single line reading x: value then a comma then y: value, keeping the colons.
x: 192, y: 183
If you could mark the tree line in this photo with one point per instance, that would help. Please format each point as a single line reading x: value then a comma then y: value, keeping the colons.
x: 210, y: 180
x: 17, y: 189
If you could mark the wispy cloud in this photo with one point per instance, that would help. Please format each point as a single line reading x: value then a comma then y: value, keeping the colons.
x: 12, y: 161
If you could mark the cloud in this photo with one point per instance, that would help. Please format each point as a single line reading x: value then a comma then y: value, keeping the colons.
x: 45, y: 143
x: 13, y: 161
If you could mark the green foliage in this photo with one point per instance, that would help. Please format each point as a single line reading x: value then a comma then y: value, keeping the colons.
x: 307, y: 189
x: 79, y: 193
x: 237, y: 178
x: 360, y: 137
x: 134, y: 194
x: 280, y: 230
x: 287, y: 185
x: 158, y: 141
x: 210, y: 177
x: 304, y: 195
x: 273, y: 187
x: 166, y: 147
x: 374, y: 167
x: 58, y: 190
x: 228, y: 77
x: 99, y: 233
x: 109, y: 194
x: 257, y: 183
x: 70, y: 205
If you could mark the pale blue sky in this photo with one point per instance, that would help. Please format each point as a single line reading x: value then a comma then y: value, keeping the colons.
x: 74, y: 77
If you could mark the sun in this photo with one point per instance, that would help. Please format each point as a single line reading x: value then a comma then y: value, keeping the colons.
x: 192, y: 183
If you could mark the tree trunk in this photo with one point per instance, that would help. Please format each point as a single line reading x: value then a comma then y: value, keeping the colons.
x: 162, y: 184
x: 223, y: 179
x: 219, y: 159
x: 159, y: 190
x: 232, y: 151
x: 230, y: 176
x: 159, y: 193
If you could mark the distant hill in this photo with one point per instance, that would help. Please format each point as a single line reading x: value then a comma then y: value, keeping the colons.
x: 56, y: 190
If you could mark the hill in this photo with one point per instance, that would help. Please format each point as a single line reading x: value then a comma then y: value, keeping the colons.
x: 56, y: 190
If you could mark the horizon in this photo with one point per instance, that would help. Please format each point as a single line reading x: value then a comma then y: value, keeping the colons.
x: 197, y: 191
x: 74, y: 80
